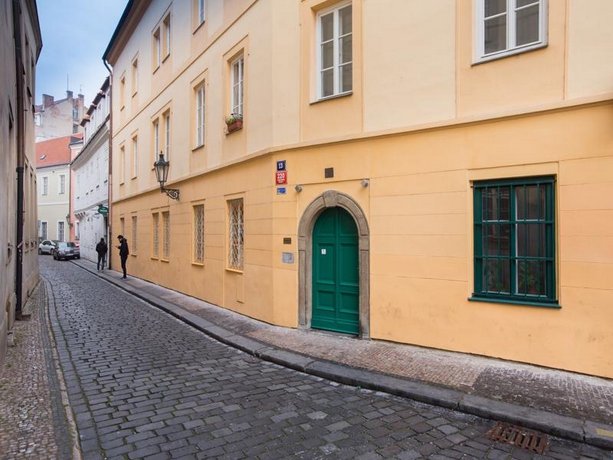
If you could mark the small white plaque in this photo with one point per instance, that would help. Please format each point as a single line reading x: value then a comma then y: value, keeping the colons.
x: 323, y: 252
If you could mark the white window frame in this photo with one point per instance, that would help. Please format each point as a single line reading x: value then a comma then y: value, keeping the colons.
x: 45, y: 186
x: 237, y: 101
x: 166, y: 117
x: 44, y: 229
x: 134, y: 157
x: 167, y: 36
x: 511, y: 49
x: 156, y: 139
x: 61, y: 186
x: 336, y: 64
x: 61, y: 236
x: 200, y: 114
x: 157, y: 48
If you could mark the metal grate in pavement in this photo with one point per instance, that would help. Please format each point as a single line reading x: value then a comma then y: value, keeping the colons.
x: 526, y: 439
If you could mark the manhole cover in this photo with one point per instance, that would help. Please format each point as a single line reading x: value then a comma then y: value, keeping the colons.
x: 516, y: 435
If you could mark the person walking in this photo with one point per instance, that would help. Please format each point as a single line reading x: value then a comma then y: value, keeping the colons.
x: 101, y: 249
x: 123, y: 253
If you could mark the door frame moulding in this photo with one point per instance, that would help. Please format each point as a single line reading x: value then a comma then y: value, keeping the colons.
x: 331, y: 199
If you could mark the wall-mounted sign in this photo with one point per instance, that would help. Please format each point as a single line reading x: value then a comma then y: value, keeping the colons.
x: 288, y: 258
x: 281, y: 190
x: 281, y: 178
x: 103, y: 209
x: 281, y: 165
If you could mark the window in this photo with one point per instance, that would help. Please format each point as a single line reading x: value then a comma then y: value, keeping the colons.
x: 166, y: 36
x: 45, y: 188
x: 60, y: 231
x: 43, y: 230
x: 509, y: 26
x: 335, y: 51
x: 166, y: 235
x: 134, y: 76
x: 134, y: 234
x: 62, y: 184
x: 155, y: 249
x: 201, y: 11
x: 199, y: 233
x: 122, y: 226
x: 122, y: 165
x: 237, y: 68
x: 77, y: 231
x: 199, y: 115
x: 156, y: 139
x: 235, y: 245
x: 167, y: 135
x: 134, y: 157
x: 157, y: 49
x: 514, y: 240
x: 122, y: 92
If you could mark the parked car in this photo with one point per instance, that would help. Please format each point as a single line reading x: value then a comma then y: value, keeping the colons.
x: 46, y: 247
x: 66, y: 250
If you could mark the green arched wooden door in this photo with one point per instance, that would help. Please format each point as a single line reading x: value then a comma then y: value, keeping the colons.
x: 336, y: 282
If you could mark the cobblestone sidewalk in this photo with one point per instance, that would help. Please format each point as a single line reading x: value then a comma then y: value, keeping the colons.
x: 32, y: 419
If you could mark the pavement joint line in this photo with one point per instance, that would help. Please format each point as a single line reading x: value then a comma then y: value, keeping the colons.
x: 574, y: 429
x: 63, y: 391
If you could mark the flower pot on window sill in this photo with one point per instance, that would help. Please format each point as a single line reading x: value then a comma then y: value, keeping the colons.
x: 235, y: 126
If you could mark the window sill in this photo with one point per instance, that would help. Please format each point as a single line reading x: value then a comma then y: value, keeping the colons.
x: 167, y: 261
x: 198, y: 27
x: 334, y: 96
x: 133, y: 255
x: 154, y: 258
x: 234, y: 270
x: 198, y: 264
x: 197, y: 147
x: 529, y: 303
x: 508, y: 53
x: 166, y: 57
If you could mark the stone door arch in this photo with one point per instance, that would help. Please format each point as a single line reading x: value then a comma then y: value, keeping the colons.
x: 329, y: 199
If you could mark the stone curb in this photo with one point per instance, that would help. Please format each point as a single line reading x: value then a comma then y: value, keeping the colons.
x: 593, y: 433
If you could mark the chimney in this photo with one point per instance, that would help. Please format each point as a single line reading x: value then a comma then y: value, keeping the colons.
x: 69, y: 94
x: 47, y: 101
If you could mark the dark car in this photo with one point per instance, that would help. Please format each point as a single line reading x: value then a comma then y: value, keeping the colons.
x: 66, y: 250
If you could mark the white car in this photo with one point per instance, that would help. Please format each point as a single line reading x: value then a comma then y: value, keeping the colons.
x: 46, y: 247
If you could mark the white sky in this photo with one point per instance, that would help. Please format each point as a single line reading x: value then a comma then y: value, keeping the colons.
x: 75, y: 35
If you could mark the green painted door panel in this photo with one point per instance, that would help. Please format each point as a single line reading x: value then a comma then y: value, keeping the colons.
x: 335, y: 273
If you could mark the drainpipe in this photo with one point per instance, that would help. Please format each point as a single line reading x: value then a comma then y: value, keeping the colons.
x: 21, y: 142
x: 109, y: 240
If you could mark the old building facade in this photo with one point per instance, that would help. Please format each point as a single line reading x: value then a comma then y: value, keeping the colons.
x: 433, y: 173
x: 91, y: 173
x: 59, y: 118
x: 21, y: 45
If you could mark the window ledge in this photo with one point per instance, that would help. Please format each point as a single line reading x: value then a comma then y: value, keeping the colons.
x: 530, y: 303
x: 335, y: 96
x: 154, y: 258
x: 197, y: 147
x: 133, y: 255
x: 165, y: 261
x: 508, y: 53
x: 198, y: 264
x: 234, y: 270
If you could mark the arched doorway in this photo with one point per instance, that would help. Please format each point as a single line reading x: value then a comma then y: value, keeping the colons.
x: 353, y: 228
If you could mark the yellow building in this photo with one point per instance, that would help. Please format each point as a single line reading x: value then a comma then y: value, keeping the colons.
x: 434, y: 173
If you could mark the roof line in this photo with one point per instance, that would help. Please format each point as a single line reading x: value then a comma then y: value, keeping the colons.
x: 120, y: 24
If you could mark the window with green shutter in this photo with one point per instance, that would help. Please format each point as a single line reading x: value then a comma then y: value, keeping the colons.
x: 514, y: 231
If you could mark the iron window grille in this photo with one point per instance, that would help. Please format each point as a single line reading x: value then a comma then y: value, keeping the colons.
x: 166, y: 235
x: 514, y: 240
x: 156, y: 235
x: 236, y: 243
x: 199, y: 233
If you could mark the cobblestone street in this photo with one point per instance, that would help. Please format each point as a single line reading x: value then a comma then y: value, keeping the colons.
x: 145, y: 385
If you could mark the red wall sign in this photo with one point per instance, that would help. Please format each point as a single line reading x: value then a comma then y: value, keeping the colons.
x: 281, y: 177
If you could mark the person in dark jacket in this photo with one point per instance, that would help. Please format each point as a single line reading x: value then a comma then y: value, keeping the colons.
x: 123, y: 253
x: 101, y: 249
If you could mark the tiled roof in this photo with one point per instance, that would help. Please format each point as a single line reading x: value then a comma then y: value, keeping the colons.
x: 53, y: 152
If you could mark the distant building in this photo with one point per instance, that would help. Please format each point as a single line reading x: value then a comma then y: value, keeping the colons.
x: 90, y: 170
x: 58, y: 118
x: 53, y: 178
x: 21, y: 41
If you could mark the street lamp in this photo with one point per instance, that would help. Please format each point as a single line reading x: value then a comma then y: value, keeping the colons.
x: 161, y: 173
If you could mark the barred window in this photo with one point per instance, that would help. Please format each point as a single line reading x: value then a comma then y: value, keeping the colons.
x: 199, y: 233
x: 236, y: 243
x: 166, y: 235
x: 134, y: 233
x: 156, y: 235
